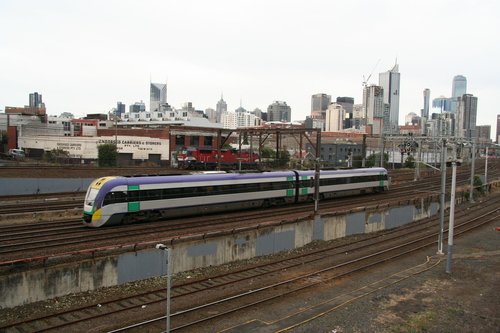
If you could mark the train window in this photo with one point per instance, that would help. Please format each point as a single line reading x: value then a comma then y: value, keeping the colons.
x: 351, y: 180
x: 134, y: 196
x: 307, y: 183
x: 114, y: 197
x: 108, y: 199
x: 91, y: 196
x: 151, y: 195
x: 184, y: 192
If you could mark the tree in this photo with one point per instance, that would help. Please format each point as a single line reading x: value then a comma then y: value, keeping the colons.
x: 268, y: 153
x: 374, y: 160
x: 107, y: 155
x: 56, y: 156
x: 284, y: 158
x: 410, y: 162
x: 5, y: 138
x: 478, y: 184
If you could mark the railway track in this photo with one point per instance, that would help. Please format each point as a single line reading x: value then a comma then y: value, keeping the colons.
x: 67, y: 201
x: 18, y: 242
x: 251, y: 287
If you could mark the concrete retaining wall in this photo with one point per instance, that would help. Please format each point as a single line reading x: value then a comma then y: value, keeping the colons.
x: 23, y: 186
x: 17, y: 288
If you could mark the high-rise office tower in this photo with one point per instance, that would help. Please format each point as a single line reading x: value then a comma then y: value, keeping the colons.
x: 319, y: 105
x: 211, y: 115
x: 279, y: 111
x: 220, y: 109
x: 466, y: 117
x: 427, y: 99
x: 441, y: 104
x: 348, y: 104
x: 373, y: 103
x: 36, y: 100
x: 335, y: 115
x: 137, y: 107
x: 497, y: 137
x: 120, y: 109
x: 483, y: 133
x: 458, y: 88
x: 157, y: 96
x: 389, y: 81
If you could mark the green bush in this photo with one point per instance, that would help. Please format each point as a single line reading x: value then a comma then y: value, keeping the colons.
x: 107, y: 155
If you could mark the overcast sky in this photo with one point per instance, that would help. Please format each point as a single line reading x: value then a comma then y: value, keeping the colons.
x: 84, y: 56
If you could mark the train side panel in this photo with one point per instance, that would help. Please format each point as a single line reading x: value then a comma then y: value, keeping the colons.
x: 149, y: 197
x: 118, y: 200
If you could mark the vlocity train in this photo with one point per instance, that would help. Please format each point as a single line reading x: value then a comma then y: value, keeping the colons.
x: 123, y: 200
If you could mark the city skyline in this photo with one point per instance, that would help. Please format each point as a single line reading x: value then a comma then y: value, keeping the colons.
x: 254, y: 52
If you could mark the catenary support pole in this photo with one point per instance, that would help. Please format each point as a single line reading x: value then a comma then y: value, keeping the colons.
x: 486, y: 171
x: 472, y: 171
x: 451, y: 224
x: 317, y: 172
x: 169, y: 285
x: 442, y: 197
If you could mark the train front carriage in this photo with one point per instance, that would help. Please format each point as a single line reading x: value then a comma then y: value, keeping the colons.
x: 95, y: 211
x: 118, y: 200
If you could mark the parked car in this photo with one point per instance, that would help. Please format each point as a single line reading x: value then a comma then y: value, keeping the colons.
x: 16, y: 154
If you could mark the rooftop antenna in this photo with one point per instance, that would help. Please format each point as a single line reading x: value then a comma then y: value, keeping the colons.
x: 396, y: 66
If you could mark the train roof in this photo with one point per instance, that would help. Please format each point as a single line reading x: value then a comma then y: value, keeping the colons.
x: 111, y: 182
x: 117, y: 181
x: 346, y: 171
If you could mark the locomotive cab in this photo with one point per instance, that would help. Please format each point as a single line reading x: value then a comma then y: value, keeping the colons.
x: 91, y: 203
x: 88, y: 206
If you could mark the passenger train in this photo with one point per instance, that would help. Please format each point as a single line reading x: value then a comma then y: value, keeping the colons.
x: 123, y: 200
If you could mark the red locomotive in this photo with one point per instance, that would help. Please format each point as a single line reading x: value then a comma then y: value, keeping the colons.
x: 206, y: 158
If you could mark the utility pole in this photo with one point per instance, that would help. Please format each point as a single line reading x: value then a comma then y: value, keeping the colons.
x: 442, y: 197
x: 417, y: 163
x: 363, y: 151
x: 116, y: 130
x: 486, y: 171
x: 451, y: 224
x: 382, y: 148
x: 316, y: 171
x: 168, y: 261
x: 473, y: 164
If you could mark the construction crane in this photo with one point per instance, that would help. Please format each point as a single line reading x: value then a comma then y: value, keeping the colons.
x: 365, y: 82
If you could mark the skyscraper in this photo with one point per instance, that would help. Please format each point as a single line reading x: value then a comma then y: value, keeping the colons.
x: 427, y: 98
x: 220, y: 109
x: 458, y: 88
x: 137, y: 107
x: 158, y: 96
x: 497, y: 137
x: 348, y: 104
x: 120, y: 109
x: 335, y: 115
x: 373, y: 103
x: 36, y: 100
x: 389, y: 81
x: 319, y: 105
x: 441, y: 104
x: 279, y: 111
x: 466, y: 117
x: 483, y: 133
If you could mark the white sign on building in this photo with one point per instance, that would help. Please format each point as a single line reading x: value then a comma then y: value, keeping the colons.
x: 86, y: 147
